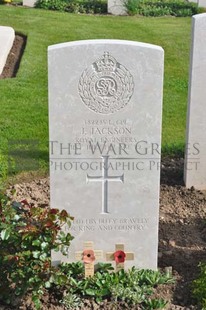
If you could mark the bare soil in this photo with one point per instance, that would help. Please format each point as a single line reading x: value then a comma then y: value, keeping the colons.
x: 14, y: 58
x: 182, y: 233
x: 182, y: 227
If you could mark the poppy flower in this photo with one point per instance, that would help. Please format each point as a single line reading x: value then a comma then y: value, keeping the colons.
x: 119, y: 257
x: 88, y: 256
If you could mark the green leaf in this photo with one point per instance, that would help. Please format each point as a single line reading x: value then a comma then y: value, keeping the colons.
x: 43, y: 256
x: 36, y: 242
x: 105, y: 292
x: 90, y: 292
x: 36, y: 301
x: 36, y: 254
x: 5, y: 234
x: 47, y: 284
x: 62, y: 279
x: 44, y: 245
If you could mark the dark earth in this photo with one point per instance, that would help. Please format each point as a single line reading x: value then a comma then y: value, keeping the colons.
x: 14, y: 57
x: 182, y: 226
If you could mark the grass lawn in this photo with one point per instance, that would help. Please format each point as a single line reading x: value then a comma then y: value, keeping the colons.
x: 24, y: 101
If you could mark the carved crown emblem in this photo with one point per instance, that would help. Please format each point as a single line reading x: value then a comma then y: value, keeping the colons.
x: 105, y: 63
x: 107, y: 86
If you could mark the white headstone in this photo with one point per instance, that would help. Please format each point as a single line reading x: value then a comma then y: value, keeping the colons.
x: 7, y: 36
x: 202, y: 3
x: 195, y: 153
x: 116, y: 7
x: 105, y: 103
x: 29, y: 3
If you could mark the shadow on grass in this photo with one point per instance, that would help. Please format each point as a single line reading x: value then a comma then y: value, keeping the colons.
x: 27, y: 161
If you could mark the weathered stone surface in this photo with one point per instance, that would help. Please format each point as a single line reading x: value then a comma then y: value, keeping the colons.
x: 195, y: 153
x: 117, y: 7
x: 202, y: 3
x: 29, y: 3
x: 105, y: 103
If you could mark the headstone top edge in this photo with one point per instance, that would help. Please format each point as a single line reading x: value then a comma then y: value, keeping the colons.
x: 104, y: 41
x: 6, y: 29
x: 199, y: 16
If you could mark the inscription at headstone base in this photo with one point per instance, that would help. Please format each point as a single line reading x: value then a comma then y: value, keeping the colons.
x: 195, y: 152
x: 105, y: 103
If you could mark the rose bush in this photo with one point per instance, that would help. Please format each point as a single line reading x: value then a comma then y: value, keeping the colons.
x: 28, y: 234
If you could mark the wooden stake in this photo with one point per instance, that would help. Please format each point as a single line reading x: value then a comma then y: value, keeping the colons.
x: 110, y: 256
x: 88, y: 256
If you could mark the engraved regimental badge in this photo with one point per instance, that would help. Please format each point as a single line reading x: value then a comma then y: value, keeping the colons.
x: 107, y: 86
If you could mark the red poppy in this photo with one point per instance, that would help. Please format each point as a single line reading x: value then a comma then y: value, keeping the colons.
x: 119, y: 257
x: 88, y: 256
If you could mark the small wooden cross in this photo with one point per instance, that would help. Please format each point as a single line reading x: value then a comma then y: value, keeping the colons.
x: 88, y: 256
x: 119, y: 256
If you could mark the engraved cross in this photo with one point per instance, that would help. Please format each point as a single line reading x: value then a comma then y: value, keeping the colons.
x: 105, y: 178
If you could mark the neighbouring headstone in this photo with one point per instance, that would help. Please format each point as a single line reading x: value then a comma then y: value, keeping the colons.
x: 116, y: 7
x: 195, y: 152
x: 29, y: 3
x: 202, y: 3
x: 195, y: 1
x: 7, y: 36
x: 105, y: 103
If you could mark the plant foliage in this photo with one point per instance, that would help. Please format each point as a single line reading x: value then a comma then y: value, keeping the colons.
x: 27, y: 236
x: 74, y: 6
x: 3, y: 170
x: 134, y: 287
x: 55, y: 5
x: 178, y: 8
x: 199, y: 286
